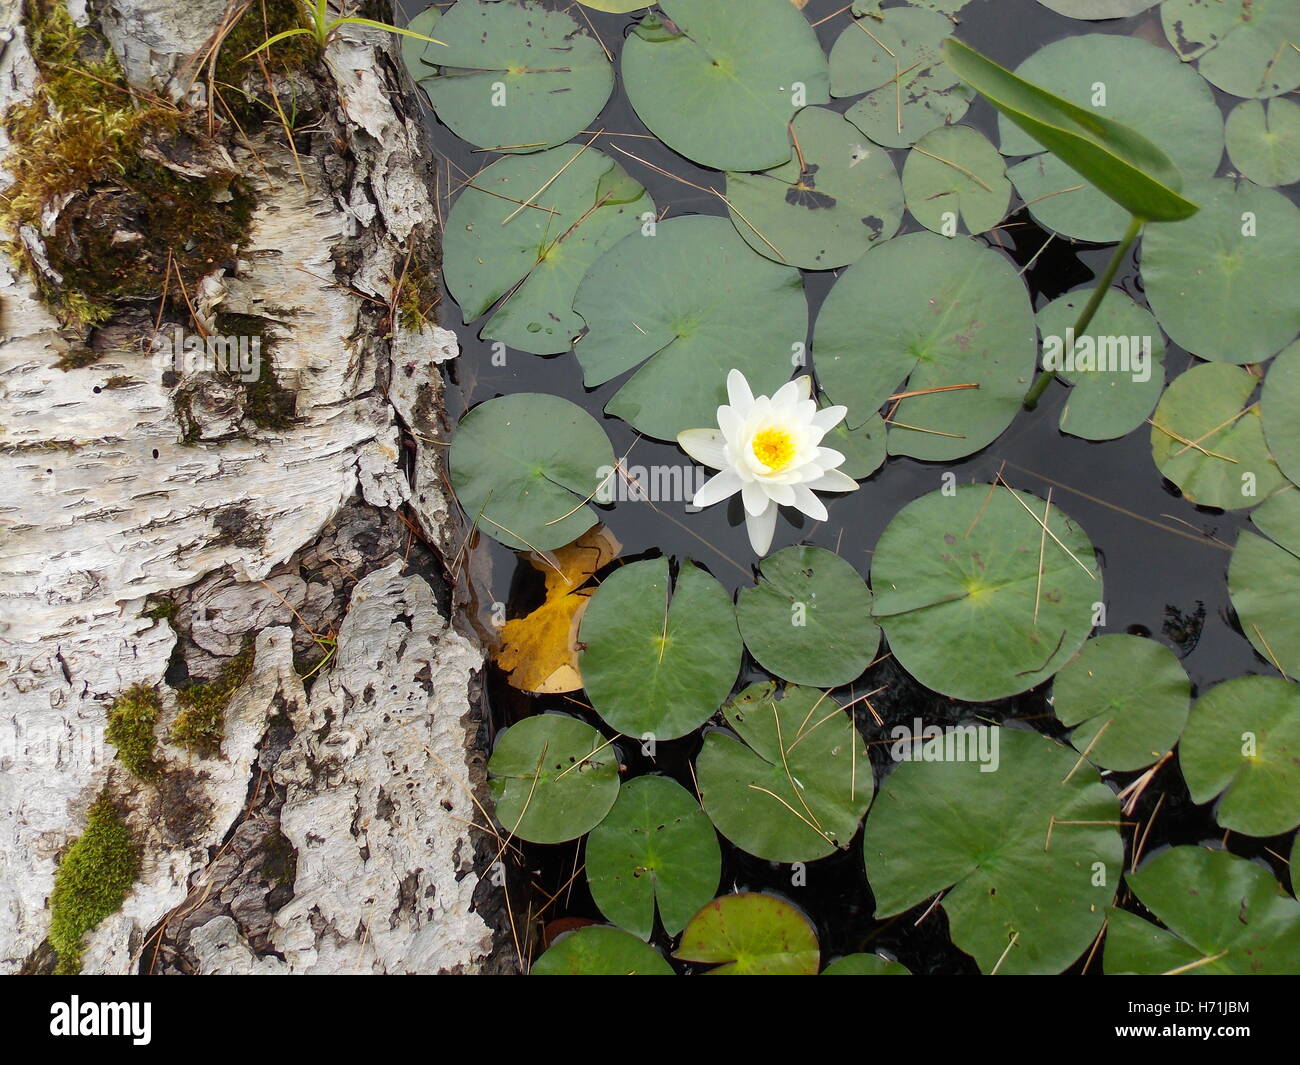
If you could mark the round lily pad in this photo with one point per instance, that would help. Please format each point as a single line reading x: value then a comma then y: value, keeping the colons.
x: 865, y: 965
x: 1264, y: 582
x: 657, y: 667
x: 583, y: 203
x: 750, y: 934
x: 515, y: 76
x: 1208, y: 438
x: 808, y: 619
x: 977, y: 600
x: 656, y: 846
x: 954, y: 174
x: 862, y: 446
x: 1216, y: 282
x: 894, y: 58
x: 1116, y: 369
x: 1222, y: 916
x: 1264, y: 141
x: 719, y: 85
x: 1029, y: 856
x: 1243, y: 46
x: 1280, y: 407
x: 599, y: 950
x: 797, y: 782
x: 1243, y: 745
x: 696, y: 302
x: 922, y: 314
x: 523, y: 465
x: 823, y: 209
x: 1098, y: 9
x: 1127, y: 698
x: 1118, y: 78
x: 552, y: 778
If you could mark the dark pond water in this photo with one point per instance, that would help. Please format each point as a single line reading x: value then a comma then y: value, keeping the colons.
x: 1164, y: 560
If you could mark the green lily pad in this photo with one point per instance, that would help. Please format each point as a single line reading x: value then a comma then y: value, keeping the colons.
x: 921, y: 313
x: 947, y: 7
x: 515, y: 76
x: 959, y: 595
x: 1208, y: 438
x: 1093, y: 10
x: 523, y: 465
x: 493, y: 246
x: 1243, y: 745
x: 1029, y: 856
x: 1264, y: 582
x: 599, y: 950
x: 696, y: 301
x: 750, y: 934
x: 895, y: 59
x: 1280, y: 407
x: 420, y: 57
x: 1187, y: 126
x: 617, y: 7
x: 651, y: 667
x: 1223, y: 916
x: 798, y: 781
x: 1214, y: 281
x: 1127, y: 699
x: 865, y: 965
x: 1243, y: 46
x: 721, y: 87
x: 655, y: 846
x: 954, y: 174
x: 823, y: 209
x: 808, y: 619
x: 863, y: 446
x: 1293, y: 865
x: 1264, y: 141
x: 1123, y: 345
x: 552, y: 778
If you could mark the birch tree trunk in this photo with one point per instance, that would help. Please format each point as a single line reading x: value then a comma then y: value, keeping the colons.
x: 329, y: 832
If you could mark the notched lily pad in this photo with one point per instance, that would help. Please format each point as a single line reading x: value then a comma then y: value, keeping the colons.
x: 1264, y: 581
x: 750, y: 934
x: 952, y: 175
x: 1264, y: 141
x: 599, y: 950
x: 1242, y: 46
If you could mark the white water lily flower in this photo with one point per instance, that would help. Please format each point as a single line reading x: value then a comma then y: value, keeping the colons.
x: 769, y: 450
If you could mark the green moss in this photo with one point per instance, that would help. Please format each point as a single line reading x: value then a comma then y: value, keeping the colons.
x: 201, y: 723
x: 161, y: 609
x: 416, y: 300
x: 269, y: 405
x: 262, y: 21
x: 131, y: 721
x: 91, y: 882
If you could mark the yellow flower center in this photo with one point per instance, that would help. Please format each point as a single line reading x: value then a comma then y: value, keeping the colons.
x: 774, y: 448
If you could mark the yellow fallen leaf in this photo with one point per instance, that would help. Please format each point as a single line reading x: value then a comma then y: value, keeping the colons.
x: 539, y: 652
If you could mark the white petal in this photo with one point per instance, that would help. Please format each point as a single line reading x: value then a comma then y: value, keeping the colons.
x: 717, y: 488
x: 780, y: 494
x: 804, y: 385
x: 787, y: 395
x: 761, y: 528
x: 730, y: 422
x: 827, y: 458
x: 805, y: 501
x: 834, y: 481
x: 738, y: 392
x: 756, y: 500
x: 706, y: 446
x: 830, y: 417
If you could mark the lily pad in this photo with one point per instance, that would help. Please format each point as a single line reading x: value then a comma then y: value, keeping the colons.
x: 1264, y: 141
x: 1214, y: 281
x: 1280, y: 407
x: 923, y: 313
x: 657, y: 667
x: 863, y: 446
x: 421, y: 57
x: 523, y: 465
x: 865, y: 965
x: 1117, y: 366
x: 1187, y: 126
x: 1127, y: 698
x: 493, y: 246
x: 749, y: 934
x: 552, y: 778
x: 947, y: 7
x: 1243, y: 745
x: 895, y: 59
x: 1243, y: 46
x: 654, y: 847
x: 808, y: 619
x: 955, y: 174
x: 1208, y: 438
x: 515, y: 76
x: 977, y: 599
x: 599, y: 950
x: 823, y: 209
x: 696, y: 301
x: 719, y: 87
x: 1094, y: 10
x: 1264, y: 582
x: 1223, y: 916
x: 798, y: 781
x: 617, y: 7
x: 1028, y: 856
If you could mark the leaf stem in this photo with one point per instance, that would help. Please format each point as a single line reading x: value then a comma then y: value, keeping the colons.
x: 1135, y: 224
